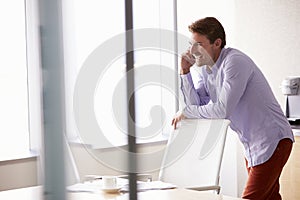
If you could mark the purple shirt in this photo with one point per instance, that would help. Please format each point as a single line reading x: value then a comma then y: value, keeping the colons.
x: 235, y: 89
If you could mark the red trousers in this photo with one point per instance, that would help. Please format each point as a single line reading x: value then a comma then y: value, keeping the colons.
x: 263, y: 180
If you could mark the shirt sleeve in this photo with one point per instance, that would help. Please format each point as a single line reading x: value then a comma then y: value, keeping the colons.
x: 237, y: 71
x: 191, y: 95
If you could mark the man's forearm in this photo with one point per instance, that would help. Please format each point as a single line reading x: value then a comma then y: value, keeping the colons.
x: 189, y: 93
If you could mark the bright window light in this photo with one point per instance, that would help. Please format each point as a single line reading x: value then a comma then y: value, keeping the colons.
x: 90, y: 23
x: 13, y: 81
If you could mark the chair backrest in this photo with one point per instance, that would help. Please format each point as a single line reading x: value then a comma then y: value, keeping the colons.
x: 194, y: 153
x: 72, y: 174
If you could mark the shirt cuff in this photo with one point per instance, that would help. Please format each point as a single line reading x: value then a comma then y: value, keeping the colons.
x: 186, y: 79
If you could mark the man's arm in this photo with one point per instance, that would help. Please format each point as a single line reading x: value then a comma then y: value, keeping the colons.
x: 191, y: 95
x: 237, y: 72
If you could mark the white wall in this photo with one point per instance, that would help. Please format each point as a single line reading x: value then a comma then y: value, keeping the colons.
x: 268, y: 31
x: 18, y: 173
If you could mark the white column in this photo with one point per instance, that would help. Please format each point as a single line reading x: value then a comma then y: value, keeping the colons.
x: 50, y: 14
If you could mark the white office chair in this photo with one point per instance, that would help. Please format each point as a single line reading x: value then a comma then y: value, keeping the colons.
x: 194, y: 154
x: 71, y: 170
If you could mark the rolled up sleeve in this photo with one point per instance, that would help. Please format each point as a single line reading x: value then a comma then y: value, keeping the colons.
x: 236, y: 72
x: 192, y: 95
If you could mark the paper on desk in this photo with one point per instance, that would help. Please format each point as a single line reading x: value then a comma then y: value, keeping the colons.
x: 152, y: 185
x: 96, y: 186
x: 84, y: 187
x: 93, y: 186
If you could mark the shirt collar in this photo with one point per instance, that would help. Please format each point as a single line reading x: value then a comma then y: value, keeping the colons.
x: 216, y: 66
x: 220, y: 58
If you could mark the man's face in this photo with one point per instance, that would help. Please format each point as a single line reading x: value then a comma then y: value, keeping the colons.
x: 202, y: 50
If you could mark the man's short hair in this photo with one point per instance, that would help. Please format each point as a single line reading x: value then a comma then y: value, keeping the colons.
x: 211, y: 28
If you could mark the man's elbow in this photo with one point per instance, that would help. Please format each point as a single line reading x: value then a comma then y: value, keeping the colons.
x: 223, y: 111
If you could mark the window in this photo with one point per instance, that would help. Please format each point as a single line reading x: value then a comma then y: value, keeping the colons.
x: 88, y: 25
x: 14, y: 127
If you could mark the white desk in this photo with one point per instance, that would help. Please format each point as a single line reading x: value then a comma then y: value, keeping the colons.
x: 35, y: 193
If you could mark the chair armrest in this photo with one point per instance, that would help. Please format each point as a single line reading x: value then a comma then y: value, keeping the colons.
x: 203, y: 188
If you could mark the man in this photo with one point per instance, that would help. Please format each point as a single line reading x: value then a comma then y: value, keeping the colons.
x: 229, y: 85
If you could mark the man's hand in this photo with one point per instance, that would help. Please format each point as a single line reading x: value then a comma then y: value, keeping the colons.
x: 178, y: 117
x: 187, y: 61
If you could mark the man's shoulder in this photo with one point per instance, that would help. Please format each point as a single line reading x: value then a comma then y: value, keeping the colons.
x: 235, y: 55
x: 233, y: 52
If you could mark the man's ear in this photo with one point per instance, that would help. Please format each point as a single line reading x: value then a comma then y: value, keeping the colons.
x: 218, y: 42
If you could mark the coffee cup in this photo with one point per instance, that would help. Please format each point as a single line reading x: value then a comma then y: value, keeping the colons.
x: 109, y: 182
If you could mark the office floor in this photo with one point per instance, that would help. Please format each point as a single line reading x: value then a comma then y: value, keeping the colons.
x: 290, y: 178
